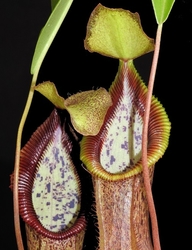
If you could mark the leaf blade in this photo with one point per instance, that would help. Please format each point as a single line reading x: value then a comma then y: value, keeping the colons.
x: 53, y: 4
x: 162, y: 9
x: 49, y: 32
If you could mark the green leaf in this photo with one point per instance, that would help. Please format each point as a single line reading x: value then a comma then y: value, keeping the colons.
x: 162, y: 9
x: 53, y: 4
x: 116, y: 33
x: 49, y: 32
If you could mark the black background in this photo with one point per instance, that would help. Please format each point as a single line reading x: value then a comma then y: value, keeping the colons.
x: 72, y: 68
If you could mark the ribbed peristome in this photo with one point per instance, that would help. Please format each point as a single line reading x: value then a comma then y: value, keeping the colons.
x: 158, y: 132
x: 42, y: 176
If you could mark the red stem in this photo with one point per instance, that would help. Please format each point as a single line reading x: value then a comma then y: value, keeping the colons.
x: 147, y: 184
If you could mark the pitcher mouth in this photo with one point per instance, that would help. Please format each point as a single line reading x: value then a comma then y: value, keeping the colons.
x: 158, y: 133
x: 41, y: 199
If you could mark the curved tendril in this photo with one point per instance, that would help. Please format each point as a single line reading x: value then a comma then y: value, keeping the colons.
x: 17, y: 163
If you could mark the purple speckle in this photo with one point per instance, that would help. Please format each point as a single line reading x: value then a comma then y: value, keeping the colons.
x: 62, y: 161
x: 71, y: 204
x: 125, y: 145
x: 111, y: 142
x: 112, y: 159
x: 137, y: 137
x: 56, y: 153
x: 124, y: 129
x: 48, y: 186
x: 58, y: 217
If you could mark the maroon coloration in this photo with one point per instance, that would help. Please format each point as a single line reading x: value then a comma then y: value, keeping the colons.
x: 159, y: 125
x: 30, y: 155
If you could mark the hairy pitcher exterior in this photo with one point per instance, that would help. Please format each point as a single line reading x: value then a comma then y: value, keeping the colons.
x: 123, y: 216
x: 113, y: 158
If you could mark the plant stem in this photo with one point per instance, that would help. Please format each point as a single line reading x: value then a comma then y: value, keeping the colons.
x: 147, y: 184
x: 17, y: 163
